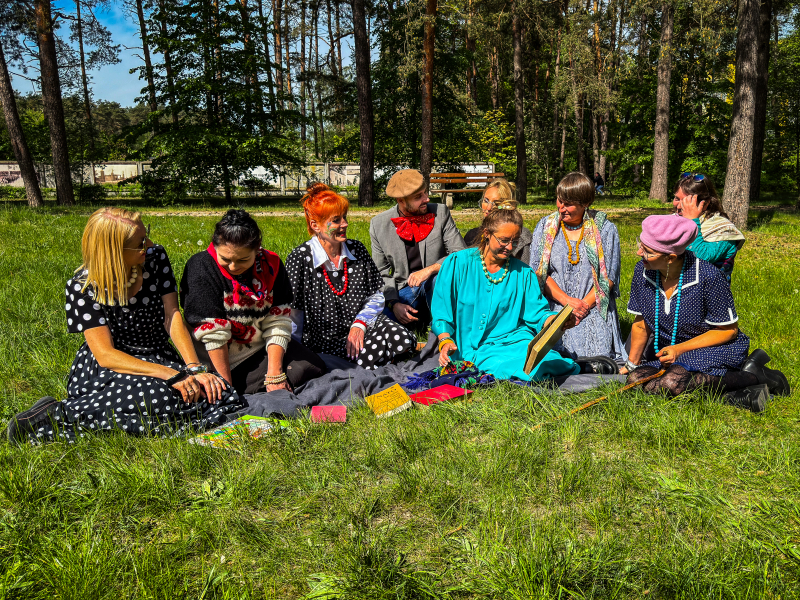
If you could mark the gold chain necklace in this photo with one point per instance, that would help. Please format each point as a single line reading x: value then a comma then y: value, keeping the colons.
x: 569, y: 245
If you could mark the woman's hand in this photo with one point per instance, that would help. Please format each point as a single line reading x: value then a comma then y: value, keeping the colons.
x: 572, y: 321
x: 668, y: 355
x: 190, y: 390
x: 355, y: 342
x: 212, y: 386
x: 283, y: 385
x: 691, y: 208
x: 446, y: 351
x: 579, y: 308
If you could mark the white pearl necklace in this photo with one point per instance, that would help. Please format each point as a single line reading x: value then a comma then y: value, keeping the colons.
x: 134, y: 276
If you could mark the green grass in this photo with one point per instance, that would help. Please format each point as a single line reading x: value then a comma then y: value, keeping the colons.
x: 638, y: 497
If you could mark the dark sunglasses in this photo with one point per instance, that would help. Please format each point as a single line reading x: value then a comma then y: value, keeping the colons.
x: 143, y: 245
x: 695, y: 176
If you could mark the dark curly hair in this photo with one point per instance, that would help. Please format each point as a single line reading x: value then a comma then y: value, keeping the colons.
x: 237, y: 228
x: 705, y: 191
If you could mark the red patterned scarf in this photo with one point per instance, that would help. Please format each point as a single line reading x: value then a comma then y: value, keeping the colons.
x: 265, y: 270
x: 414, y: 228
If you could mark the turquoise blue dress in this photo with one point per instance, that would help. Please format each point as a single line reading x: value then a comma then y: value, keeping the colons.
x: 490, y: 323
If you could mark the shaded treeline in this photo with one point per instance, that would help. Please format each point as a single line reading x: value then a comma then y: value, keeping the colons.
x: 637, y: 90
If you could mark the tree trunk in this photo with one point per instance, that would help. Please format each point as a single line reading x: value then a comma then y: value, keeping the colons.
x: 251, y: 72
x: 265, y: 42
x: 604, y: 142
x: 563, y: 141
x: 51, y: 101
x: 87, y: 104
x: 148, y: 64
x: 582, y: 166
x: 739, y: 178
x: 303, y: 84
x: 339, y: 38
x: 168, y: 65
x: 494, y: 77
x: 287, y: 49
x: 366, y: 184
x: 276, y: 28
x: 426, y: 153
x: 762, y: 69
x: 519, y: 110
x: 658, y: 185
x: 319, y: 92
x: 595, y: 139
x: 472, y: 68
x: 17, y: 136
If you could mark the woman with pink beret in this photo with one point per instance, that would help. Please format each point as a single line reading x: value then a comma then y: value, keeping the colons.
x: 687, y: 304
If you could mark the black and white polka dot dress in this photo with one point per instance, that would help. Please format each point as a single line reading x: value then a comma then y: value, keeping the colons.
x: 101, y: 399
x: 706, y: 301
x: 328, y: 317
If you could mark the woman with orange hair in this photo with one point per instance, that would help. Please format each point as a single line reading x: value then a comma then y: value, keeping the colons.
x: 127, y: 376
x: 338, y: 298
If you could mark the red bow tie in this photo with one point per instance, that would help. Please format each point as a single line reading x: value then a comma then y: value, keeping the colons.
x: 414, y: 228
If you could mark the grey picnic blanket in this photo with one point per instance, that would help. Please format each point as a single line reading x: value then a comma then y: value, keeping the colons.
x: 347, y: 384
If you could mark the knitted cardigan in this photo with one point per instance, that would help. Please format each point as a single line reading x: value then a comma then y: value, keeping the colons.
x: 247, y: 326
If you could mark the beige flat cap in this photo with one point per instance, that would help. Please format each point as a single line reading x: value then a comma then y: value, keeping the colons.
x: 405, y: 183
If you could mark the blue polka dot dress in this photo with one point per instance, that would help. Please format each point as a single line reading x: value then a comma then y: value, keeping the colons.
x: 706, y: 300
x: 101, y: 399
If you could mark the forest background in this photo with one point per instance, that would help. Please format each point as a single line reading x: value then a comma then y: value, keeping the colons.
x: 637, y: 90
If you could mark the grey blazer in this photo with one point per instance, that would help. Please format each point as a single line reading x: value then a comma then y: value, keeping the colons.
x: 389, y: 251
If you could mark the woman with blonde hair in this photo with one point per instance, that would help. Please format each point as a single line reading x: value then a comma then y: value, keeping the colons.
x: 126, y: 375
x: 501, y: 191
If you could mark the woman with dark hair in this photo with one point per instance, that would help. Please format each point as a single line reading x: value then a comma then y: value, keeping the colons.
x: 487, y: 305
x: 718, y: 239
x: 576, y: 256
x: 237, y: 298
x: 338, y: 298
x: 686, y: 323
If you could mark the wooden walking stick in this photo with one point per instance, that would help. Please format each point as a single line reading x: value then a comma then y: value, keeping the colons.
x: 601, y: 398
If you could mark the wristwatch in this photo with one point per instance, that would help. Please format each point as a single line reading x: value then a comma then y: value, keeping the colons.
x: 197, y: 369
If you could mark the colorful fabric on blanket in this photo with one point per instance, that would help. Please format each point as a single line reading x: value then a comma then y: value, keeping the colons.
x: 460, y: 373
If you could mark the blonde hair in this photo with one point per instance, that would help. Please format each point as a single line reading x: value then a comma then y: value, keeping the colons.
x: 505, y: 189
x: 505, y: 211
x: 102, y: 248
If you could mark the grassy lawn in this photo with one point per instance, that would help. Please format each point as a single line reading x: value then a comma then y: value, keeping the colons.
x: 638, y: 497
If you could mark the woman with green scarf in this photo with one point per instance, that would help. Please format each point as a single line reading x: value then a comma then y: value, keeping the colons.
x: 576, y: 255
x: 718, y: 240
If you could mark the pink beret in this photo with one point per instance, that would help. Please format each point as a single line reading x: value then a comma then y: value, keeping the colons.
x: 670, y: 234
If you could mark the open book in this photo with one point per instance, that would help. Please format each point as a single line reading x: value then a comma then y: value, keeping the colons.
x: 546, y: 339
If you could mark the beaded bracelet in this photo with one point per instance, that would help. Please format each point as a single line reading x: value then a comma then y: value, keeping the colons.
x: 444, y: 341
x: 273, y: 379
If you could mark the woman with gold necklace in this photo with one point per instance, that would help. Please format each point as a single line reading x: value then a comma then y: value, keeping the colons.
x: 576, y: 255
x: 487, y: 305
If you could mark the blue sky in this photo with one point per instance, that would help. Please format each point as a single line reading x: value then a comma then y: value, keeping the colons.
x: 115, y: 83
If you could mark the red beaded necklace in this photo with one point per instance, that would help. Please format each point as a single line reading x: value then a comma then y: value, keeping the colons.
x: 328, y: 279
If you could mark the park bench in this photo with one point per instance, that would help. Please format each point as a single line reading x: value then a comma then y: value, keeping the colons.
x: 462, y: 179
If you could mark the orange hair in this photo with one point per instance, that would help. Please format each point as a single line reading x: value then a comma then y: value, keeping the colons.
x: 320, y: 203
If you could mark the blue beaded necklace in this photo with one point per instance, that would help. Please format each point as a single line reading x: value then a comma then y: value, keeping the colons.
x: 677, y: 306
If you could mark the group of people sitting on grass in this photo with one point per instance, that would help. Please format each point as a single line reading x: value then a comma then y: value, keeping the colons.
x: 252, y: 323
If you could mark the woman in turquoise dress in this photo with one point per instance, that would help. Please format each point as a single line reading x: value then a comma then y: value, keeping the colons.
x: 487, y: 305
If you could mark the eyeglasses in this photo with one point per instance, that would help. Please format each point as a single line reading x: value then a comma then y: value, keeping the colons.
x: 513, y: 242
x: 491, y: 204
x: 645, y: 254
x: 698, y: 177
x: 143, y: 244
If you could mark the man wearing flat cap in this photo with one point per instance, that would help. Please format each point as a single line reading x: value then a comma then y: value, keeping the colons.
x: 409, y: 243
